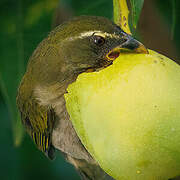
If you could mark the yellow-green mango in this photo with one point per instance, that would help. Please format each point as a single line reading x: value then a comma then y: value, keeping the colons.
x: 128, y: 116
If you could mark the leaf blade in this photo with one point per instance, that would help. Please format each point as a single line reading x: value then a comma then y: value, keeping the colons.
x: 136, y: 6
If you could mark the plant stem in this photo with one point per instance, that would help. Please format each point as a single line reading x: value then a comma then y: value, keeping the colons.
x: 121, y: 14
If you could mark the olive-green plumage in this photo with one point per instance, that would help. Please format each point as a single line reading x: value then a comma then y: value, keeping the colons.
x: 38, y: 120
x: 85, y: 43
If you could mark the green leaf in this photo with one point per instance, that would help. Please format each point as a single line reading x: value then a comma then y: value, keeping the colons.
x: 136, y: 6
x: 18, y: 131
x: 12, y: 67
x: 90, y: 7
x: 19, y: 37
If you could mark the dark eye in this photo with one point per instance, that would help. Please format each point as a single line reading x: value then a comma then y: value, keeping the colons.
x: 99, y: 40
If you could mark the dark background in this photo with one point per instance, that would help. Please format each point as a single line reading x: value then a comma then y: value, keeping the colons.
x: 24, y: 23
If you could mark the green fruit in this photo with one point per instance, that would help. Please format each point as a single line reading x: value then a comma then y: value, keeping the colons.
x: 128, y: 116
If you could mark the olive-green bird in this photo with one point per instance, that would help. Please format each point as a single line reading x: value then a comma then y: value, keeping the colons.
x: 83, y: 44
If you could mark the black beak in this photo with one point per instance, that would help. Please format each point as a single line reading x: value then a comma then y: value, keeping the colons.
x: 134, y: 46
x: 130, y: 44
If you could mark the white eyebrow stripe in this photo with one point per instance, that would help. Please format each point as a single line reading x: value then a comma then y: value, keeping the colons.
x: 90, y: 33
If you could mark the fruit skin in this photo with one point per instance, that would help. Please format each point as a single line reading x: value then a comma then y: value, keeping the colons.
x: 128, y: 118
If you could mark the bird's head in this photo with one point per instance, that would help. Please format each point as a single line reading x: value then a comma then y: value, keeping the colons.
x: 94, y: 42
x: 85, y: 43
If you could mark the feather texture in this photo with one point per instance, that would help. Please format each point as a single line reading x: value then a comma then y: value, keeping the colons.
x: 38, y: 121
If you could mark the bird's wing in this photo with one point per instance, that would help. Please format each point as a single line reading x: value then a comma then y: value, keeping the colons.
x: 38, y: 121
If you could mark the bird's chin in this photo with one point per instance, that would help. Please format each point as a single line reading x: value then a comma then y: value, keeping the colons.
x: 102, y: 64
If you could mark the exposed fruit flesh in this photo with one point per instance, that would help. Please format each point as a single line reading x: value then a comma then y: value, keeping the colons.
x: 128, y: 116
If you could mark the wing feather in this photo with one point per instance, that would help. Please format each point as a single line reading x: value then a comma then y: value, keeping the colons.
x: 38, y: 121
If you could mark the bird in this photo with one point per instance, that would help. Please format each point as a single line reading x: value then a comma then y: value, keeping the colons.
x: 82, y: 44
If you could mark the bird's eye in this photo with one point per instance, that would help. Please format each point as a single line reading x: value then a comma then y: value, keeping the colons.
x: 99, y: 40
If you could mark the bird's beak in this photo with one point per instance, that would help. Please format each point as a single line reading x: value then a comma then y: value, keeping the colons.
x: 130, y: 45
